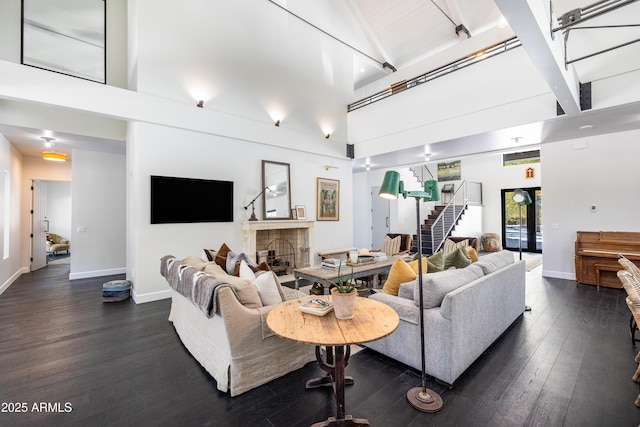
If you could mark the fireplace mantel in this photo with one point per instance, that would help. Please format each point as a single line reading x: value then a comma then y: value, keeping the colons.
x: 251, y: 228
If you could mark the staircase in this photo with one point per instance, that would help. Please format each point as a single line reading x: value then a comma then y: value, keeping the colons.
x: 444, y: 217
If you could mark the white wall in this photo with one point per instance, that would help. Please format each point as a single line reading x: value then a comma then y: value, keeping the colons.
x: 604, y: 174
x: 59, y: 208
x: 11, y: 264
x: 158, y: 150
x: 99, y: 208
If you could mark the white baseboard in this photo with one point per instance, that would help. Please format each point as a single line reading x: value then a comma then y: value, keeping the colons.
x: 150, y: 297
x: 97, y: 273
x: 558, y: 274
x: 12, y: 279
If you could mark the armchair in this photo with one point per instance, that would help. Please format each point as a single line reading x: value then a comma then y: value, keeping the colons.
x: 56, y: 243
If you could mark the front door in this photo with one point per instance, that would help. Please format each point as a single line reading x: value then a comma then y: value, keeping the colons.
x: 522, y: 224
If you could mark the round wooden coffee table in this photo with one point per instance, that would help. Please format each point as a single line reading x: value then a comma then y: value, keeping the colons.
x: 372, y: 320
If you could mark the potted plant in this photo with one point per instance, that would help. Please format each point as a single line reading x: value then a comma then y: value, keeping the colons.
x: 344, y: 296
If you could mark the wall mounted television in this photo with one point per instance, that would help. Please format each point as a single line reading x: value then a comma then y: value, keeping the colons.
x: 186, y: 200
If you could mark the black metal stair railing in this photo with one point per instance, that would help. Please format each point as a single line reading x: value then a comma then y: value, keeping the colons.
x: 440, y: 224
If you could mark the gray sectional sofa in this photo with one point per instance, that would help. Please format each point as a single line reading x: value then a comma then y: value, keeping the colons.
x: 466, y: 310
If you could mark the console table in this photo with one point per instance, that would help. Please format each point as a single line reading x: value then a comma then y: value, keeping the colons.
x: 596, y: 254
x: 372, y: 320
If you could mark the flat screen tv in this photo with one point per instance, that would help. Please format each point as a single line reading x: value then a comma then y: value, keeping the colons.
x: 185, y: 200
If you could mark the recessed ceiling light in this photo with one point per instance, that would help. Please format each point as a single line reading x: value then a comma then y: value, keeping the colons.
x: 586, y: 127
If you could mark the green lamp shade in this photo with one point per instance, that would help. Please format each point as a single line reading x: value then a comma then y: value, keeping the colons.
x: 431, y: 186
x: 390, y: 185
x: 521, y: 197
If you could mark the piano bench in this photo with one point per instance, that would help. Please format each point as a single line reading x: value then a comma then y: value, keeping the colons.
x: 605, y: 267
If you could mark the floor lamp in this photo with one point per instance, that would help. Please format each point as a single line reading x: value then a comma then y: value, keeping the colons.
x: 522, y: 198
x: 421, y: 398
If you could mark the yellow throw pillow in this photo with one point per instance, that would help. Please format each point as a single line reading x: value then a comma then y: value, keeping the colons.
x: 414, y: 265
x: 472, y: 253
x: 400, y: 272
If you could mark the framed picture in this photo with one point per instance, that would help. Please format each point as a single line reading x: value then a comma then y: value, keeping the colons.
x: 301, y: 212
x: 327, y: 199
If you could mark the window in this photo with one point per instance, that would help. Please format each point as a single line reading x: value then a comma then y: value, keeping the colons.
x: 7, y: 210
x: 521, y: 158
x: 65, y: 36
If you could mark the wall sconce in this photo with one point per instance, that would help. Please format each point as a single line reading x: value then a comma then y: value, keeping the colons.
x: 277, y: 123
x: 327, y: 136
x: 200, y: 104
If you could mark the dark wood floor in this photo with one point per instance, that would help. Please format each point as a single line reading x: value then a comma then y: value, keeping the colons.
x: 567, y: 362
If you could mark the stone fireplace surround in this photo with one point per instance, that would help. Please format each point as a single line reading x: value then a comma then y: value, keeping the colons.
x: 256, y: 235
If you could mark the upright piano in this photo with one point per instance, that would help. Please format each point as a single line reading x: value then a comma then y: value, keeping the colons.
x: 597, y: 256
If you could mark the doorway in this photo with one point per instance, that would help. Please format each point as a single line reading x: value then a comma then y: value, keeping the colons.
x: 50, y: 213
x: 380, y: 220
x: 522, y: 224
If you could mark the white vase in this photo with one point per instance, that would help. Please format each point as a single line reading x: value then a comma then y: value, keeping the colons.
x: 344, y: 304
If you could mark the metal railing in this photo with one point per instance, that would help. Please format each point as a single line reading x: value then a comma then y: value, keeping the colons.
x: 438, y: 72
x: 468, y: 193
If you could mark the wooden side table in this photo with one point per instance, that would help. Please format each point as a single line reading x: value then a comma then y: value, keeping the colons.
x: 372, y: 320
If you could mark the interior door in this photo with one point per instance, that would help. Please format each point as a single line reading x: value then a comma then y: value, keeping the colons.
x: 380, y: 209
x: 39, y: 224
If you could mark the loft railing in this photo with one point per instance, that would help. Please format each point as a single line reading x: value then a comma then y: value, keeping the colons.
x: 468, y: 193
x: 438, y: 72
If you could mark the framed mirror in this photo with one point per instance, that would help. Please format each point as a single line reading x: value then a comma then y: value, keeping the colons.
x: 276, y: 200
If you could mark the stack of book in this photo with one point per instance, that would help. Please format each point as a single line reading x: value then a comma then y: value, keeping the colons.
x: 378, y: 256
x: 333, y: 263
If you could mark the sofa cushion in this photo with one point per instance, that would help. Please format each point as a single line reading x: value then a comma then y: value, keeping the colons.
x: 246, y: 292
x: 400, y: 272
x: 458, y: 259
x: 438, y: 285
x: 495, y: 261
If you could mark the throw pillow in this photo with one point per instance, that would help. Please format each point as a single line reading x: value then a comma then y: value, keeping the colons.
x: 391, y: 246
x: 435, y: 262
x: 221, y: 256
x: 247, y: 293
x: 400, y: 272
x: 233, y: 262
x: 473, y: 255
x: 268, y: 288
x: 245, y: 272
x: 425, y: 265
x: 458, y: 259
x: 209, y: 254
x: 450, y: 246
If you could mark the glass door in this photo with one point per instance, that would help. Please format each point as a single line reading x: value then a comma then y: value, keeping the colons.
x: 522, y: 225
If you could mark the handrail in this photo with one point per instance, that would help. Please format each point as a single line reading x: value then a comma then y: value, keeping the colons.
x: 438, y: 72
x: 452, y: 211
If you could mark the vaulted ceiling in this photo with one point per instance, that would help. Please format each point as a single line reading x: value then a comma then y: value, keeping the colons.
x: 407, y: 33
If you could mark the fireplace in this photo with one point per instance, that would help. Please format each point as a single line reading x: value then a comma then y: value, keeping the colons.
x: 288, y: 242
